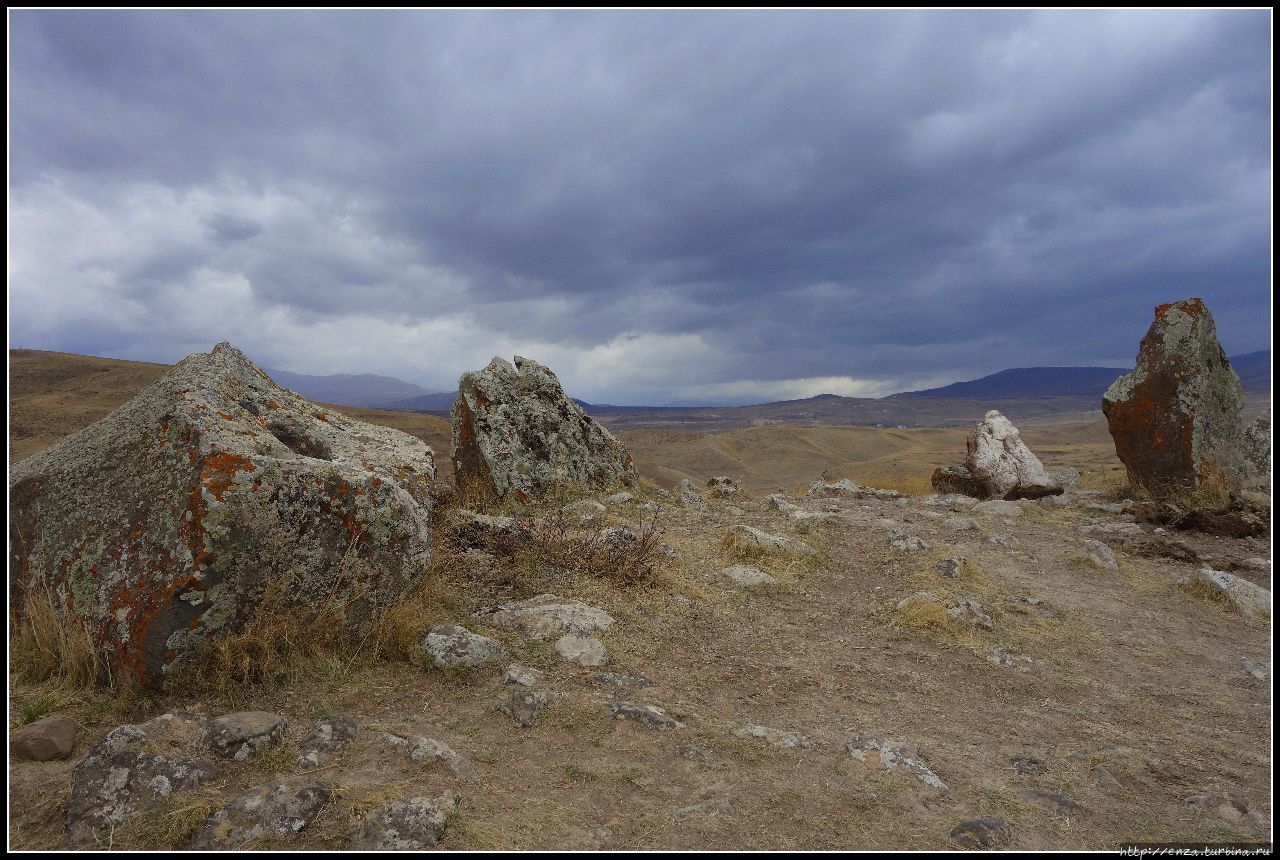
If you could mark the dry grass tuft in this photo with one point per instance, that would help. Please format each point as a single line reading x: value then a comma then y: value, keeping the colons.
x: 923, y: 615
x: 47, y: 643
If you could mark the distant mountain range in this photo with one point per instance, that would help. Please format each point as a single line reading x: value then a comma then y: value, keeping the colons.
x: 365, y: 390
x: 1253, y: 368
x: 1056, y: 389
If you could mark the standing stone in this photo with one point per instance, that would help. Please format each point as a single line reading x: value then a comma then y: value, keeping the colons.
x: 1175, y: 418
x: 1002, y: 465
x: 161, y: 527
x: 515, y: 432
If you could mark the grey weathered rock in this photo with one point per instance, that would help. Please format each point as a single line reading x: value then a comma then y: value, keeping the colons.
x: 430, y: 749
x: 44, y: 740
x: 906, y: 543
x: 1099, y: 555
x: 1234, y: 810
x: 1024, y: 605
x: 1010, y: 658
x: 1252, y: 601
x: 773, y: 737
x: 950, y: 567
x: 779, y: 502
x: 516, y: 433
x: 1257, y: 450
x: 748, y: 576
x: 620, y: 679
x: 704, y: 809
x: 1067, y: 476
x: 324, y: 737
x: 548, y: 615
x: 1112, y: 531
x: 689, y: 496
x: 524, y: 706
x: 999, y: 507
x: 753, y: 539
x: 960, y: 524
x: 918, y: 597
x: 982, y: 833
x: 108, y: 787
x: 966, y: 610
x: 586, y: 506
x: 1255, y: 669
x: 470, y: 530
x: 523, y: 676
x: 450, y: 646
x: 1062, y: 805
x: 694, y: 752
x: 1002, y: 465
x: 240, y: 735
x: 649, y: 716
x: 411, y: 824
x: 723, y: 485
x: 581, y: 649
x: 1029, y: 765
x: 1002, y: 539
x: 162, y: 526
x: 850, y: 490
x: 890, y: 755
x: 1175, y: 418
x: 266, y: 812
x: 955, y: 479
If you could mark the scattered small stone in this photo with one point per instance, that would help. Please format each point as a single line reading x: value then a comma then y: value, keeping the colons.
x: 649, y: 716
x: 690, y: 497
x: 747, y: 537
x: 619, y: 499
x: 1257, y: 671
x: 705, y: 809
x: 950, y: 567
x: 430, y: 749
x: 774, y: 737
x: 779, y: 502
x: 999, y: 507
x: 849, y: 489
x: 1029, y: 765
x: 411, y: 824
x: 524, y: 706
x: 968, y: 611
x: 1030, y: 606
x: 615, y: 679
x: 470, y: 530
x: 238, y: 736
x: 1112, y: 531
x: 960, y: 524
x: 450, y: 646
x: 693, y: 752
x: 1067, y: 476
x: 724, y: 486
x: 583, y: 650
x: 325, y: 736
x: 1003, y: 539
x: 1059, y: 804
x: 266, y: 812
x: 982, y: 833
x: 1010, y: 658
x: 588, y: 506
x: 1251, y: 601
x: 524, y: 676
x: 1234, y: 810
x: 44, y: 740
x: 878, y: 752
x: 1105, y: 778
x: 1099, y: 555
x: 907, y: 543
x: 748, y: 576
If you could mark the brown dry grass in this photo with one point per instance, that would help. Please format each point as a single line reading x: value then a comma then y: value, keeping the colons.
x: 44, y: 645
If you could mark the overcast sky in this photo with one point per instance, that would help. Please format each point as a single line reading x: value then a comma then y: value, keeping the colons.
x: 662, y: 207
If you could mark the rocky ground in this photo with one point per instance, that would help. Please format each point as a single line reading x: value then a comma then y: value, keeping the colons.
x: 936, y: 672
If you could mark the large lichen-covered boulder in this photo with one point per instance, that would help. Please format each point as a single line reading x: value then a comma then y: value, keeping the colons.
x: 1175, y: 418
x: 161, y: 527
x: 1002, y: 465
x: 515, y: 433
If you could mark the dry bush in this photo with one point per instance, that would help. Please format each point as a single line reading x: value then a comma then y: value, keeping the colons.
x: 47, y: 642
x: 626, y: 556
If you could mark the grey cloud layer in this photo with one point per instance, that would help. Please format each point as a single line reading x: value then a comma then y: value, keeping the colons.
x: 667, y: 204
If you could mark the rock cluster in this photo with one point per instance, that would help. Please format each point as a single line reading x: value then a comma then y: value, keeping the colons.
x: 1175, y: 418
x: 161, y: 527
x: 516, y: 433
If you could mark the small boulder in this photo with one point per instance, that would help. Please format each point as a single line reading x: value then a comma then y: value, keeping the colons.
x: 430, y: 749
x: 266, y: 812
x: 240, y: 735
x: 1251, y: 601
x: 878, y: 752
x: 689, y: 496
x: 522, y: 676
x: 752, y: 539
x: 324, y: 737
x: 548, y: 615
x: 1002, y: 465
x: 450, y: 647
x: 1099, y: 555
x: 982, y: 833
x: 649, y: 716
x: 109, y: 787
x: 748, y: 576
x: 955, y: 479
x: 773, y: 737
x: 967, y: 611
x: 412, y: 824
x: 723, y: 485
x: 581, y: 649
x: 44, y: 740
x: 524, y: 706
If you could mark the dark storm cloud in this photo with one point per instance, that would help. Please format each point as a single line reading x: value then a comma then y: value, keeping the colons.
x: 667, y: 205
